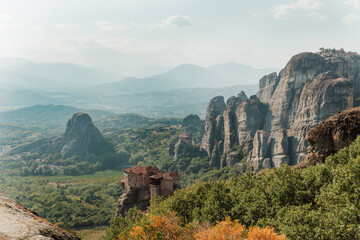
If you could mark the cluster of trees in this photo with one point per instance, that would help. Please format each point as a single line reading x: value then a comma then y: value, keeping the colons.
x: 328, y: 52
x: 319, y: 202
x: 39, y: 165
x: 67, y: 201
x: 150, y: 146
x: 135, y: 226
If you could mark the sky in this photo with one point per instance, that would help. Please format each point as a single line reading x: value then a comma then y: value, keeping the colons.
x: 112, y: 33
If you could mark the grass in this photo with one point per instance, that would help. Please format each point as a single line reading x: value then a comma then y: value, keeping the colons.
x: 98, y: 177
x: 92, y: 233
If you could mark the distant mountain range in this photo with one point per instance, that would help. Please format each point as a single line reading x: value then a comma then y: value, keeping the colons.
x: 54, y: 76
x: 175, y: 103
x: 182, y: 90
x: 186, y: 76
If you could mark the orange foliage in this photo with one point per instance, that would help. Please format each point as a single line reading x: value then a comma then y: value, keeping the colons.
x: 168, y: 228
x: 157, y: 228
x: 268, y: 233
x: 224, y: 230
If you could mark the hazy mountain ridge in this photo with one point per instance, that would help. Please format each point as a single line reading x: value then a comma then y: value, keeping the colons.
x: 189, y: 87
x: 187, y: 76
x: 46, y: 115
x: 177, y: 103
x: 235, y: 72
x: 54, y: 76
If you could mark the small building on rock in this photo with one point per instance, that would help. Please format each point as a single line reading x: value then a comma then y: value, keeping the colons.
x: 156, y: 181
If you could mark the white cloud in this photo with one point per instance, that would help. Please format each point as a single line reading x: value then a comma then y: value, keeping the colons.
x: 353, y: 3
x: 63, y: 25
x: 180, y: 21
x: 109, y: 26
x: 350, y: 18
x: 133, y: 24
x: 309, y: 8
x: 9, y: 22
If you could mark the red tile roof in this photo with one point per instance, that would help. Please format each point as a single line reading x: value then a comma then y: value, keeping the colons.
x: 171, y: 176
x: 142, y: 170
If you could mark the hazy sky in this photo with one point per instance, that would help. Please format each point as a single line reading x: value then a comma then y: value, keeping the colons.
x: 108, y: 33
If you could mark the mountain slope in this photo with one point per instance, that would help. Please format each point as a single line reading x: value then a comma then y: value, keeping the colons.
x: 236, y: 73
x: 46, y: 115
x: 53, y: 76
x: 185, y: 76
x: 176, y: 103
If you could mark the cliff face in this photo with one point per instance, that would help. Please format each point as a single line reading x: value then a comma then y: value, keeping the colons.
x: 79, y: 138
x: 79, y: 135
x: 16, y: 222
x: 333, y: 134
x: 139, y: 198
x: 311, y: 88
x: 233, y: 124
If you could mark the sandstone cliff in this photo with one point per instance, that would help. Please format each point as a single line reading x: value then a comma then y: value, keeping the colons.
x: 329, y: 137
x: 18, y: 223
x: 80, y: 138
x: 271, y: 127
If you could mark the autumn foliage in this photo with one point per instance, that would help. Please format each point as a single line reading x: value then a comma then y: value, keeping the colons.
x: 168, y: 227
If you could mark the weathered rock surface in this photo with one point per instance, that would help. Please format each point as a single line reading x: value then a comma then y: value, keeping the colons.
x: 182, y: 148
x: 236, y: 125
x: 192, y: 124
x: 18, y: 223
x: 80, y: 138
x: 329, y: 137
x: 135, y: 197
x: 214, y: 123
x: 311, y: 88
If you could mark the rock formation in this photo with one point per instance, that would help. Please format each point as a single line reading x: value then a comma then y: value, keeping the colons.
x: 232, y: 124
x: 134, y: 197
x: 80, y: 138
x: 329, y: 137
x: 271, y: 127
x: 192, y: 124
x: 16, y: 222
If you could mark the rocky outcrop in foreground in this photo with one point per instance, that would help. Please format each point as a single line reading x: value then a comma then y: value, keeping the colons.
x: 327, y: 138
x: 18, y: 223
x: 80, y: 138
x: 270, y: 128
